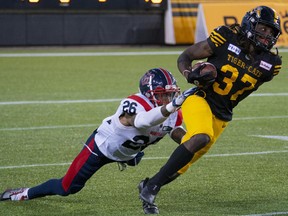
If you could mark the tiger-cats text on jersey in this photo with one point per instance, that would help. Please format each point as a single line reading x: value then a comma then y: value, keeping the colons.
x: 238, y: 74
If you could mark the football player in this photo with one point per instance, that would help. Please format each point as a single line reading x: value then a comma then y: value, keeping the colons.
x: 141, y: 120
x: 244, y: 61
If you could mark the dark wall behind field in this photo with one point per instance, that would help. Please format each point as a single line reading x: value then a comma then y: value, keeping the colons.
x: 33, y: 29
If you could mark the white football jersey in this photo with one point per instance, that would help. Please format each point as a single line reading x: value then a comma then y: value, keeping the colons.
x: 122, y: 143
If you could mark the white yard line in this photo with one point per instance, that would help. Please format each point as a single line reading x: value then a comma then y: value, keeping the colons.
x: 94, y: 125
x: 284, y: 138
x: 80, y: 54
x: 110, y: 100
x: 259, y: 117
x: 48, y: 127
x: 268, y: 214
x: 268, y: 94
x: 59, y: 101
x: 152, y: 158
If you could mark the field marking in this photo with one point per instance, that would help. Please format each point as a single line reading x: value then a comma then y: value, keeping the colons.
x: 60, y: 101
x: 110, y: 100
x: 80, y: 54
x: 285, y: 138
x: 268, y: 94
x: 259, y: 117
x: 95, y: 125
x: 33, y: 165
x: 48, y: 127
x: 152, y: 158
x: 268, y: 214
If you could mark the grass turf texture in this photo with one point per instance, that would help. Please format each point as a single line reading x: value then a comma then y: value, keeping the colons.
x: 221, y: 183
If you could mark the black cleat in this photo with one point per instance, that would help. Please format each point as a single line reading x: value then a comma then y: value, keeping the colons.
x: 148, y: 192
x: 148, y: 208
x: 147, y: 196
x: 142, y: 184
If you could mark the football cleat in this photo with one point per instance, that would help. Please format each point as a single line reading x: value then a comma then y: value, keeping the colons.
x: 17, y: 194
x: 148, y: 208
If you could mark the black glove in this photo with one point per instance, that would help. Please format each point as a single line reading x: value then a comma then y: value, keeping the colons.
x: 136, y: 160
x: 195, y: 78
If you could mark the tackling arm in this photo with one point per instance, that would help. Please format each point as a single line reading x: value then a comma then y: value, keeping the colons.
x: 158, y: 115
x: 150, y: 118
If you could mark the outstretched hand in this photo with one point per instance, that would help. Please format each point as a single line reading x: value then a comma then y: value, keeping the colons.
x: 178, y: 101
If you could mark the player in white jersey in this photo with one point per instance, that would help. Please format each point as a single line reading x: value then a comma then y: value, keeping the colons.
x: 120, y: 142
x: 141, y: 119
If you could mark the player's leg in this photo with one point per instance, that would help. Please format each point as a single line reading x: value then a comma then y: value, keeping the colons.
x: 218, y: 128
x: 88, y: 161
x: 148, y: 208
x: 198, y: 121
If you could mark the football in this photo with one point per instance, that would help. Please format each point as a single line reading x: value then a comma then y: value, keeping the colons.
x: 206, y: 68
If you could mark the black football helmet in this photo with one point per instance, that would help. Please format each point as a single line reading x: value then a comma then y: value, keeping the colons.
x: 159, y: 86
x: 264, y: 15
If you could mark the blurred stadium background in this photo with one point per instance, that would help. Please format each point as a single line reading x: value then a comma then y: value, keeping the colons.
x: 118, y: 22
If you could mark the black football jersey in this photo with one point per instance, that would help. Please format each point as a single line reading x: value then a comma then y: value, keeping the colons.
x: 238, y: 74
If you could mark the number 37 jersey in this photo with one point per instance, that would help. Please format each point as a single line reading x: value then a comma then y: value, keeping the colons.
x: 238, y: 74
x: 119, y: 142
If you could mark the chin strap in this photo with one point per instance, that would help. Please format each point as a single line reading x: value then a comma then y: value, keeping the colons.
x: 277, y: 52
x: 153, y: 98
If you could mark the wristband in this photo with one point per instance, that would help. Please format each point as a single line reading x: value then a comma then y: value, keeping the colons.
x: 170, y: 108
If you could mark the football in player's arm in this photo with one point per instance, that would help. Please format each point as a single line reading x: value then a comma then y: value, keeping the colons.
x: 244, y: 61
x: 142, y: 119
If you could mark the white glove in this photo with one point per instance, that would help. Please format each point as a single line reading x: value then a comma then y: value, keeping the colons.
x: 178, y: 101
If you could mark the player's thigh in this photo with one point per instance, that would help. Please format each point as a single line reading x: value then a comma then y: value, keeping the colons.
x: 218, y: 128
x: 197, y: 117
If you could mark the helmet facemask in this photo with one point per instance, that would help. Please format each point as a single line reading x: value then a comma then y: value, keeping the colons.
x: 161, y: 96
x: 159, y: 86
x: 264, y: 41
x: 258, y: 18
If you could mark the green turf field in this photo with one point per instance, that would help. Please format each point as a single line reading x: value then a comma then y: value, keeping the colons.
x: 50, y: 104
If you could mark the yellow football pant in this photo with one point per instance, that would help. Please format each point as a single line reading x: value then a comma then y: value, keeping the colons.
x: 199, y: 119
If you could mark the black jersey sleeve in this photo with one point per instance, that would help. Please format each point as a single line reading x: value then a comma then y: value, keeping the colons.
x: 218, y: 37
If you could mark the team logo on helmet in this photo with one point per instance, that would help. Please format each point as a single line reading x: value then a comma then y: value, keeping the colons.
x: 158, y: 85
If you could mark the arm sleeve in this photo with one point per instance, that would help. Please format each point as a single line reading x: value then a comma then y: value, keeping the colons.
x: 150, y: 118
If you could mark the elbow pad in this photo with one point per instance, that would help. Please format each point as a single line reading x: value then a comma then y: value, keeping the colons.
x: 150, y: 118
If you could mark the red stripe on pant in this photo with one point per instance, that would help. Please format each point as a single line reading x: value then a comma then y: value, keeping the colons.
x: 76, y: 165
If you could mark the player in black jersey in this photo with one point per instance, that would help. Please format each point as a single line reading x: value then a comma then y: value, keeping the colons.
x: 242, y: 56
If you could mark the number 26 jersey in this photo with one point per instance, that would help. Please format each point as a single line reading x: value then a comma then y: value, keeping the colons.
x: 119, y: 142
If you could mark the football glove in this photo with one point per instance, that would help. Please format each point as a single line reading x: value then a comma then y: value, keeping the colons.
x: 178, y: 101
x: 195, y: 77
